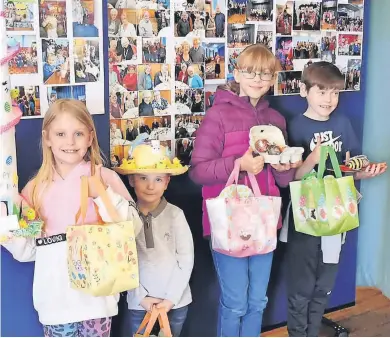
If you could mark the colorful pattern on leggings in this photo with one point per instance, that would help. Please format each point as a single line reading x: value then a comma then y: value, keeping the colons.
x: 89, y: 328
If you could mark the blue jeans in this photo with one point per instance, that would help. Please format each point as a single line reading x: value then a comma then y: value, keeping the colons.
x: 176, y: 318
x: 243, y: 283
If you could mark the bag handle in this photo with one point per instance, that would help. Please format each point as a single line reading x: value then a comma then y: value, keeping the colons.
x: 148, y: 322
x: 164, y: 323
x: 233, y: 179
x: 325, y: 151
x: 98, y: 185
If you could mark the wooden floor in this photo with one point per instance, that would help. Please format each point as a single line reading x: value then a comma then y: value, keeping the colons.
x: 370, y: 317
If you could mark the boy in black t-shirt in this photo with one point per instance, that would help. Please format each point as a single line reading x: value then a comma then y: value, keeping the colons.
x: 313, y: 261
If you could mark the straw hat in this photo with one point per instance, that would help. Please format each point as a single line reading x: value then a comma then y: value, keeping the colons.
x: 150, y: 159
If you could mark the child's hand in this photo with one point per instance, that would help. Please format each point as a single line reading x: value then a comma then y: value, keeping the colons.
x: 94, y: 180
x: 370, y: 172
x: 165, y: 304
x: 315, y: 155
x: 148, y: 302
x: 251, y: 164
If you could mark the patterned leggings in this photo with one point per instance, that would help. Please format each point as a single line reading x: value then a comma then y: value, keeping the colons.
x: 89, y: 328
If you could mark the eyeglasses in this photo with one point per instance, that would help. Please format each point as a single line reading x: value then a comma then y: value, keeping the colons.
x: 263, y: 76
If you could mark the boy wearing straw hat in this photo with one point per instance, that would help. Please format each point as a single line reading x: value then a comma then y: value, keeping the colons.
x: 165, y: 245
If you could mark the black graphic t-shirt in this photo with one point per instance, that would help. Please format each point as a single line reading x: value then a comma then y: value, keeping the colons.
x: 337, y: 132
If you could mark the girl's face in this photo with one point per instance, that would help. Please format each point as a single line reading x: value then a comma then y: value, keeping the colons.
x: 68, y: 139
x: 255, y: 87
x: 198, y: 97
x: 113, y: 98
x: 186, y: 47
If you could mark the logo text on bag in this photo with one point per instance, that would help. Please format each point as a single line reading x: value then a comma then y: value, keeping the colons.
x: 51, y: 240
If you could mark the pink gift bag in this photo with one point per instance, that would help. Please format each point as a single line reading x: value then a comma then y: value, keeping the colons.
x: 243, y: 224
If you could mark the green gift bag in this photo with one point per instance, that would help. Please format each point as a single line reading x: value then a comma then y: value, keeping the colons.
x: 325, y: 206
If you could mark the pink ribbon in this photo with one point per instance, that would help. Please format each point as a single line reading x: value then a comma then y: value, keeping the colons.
x: 12, y: 123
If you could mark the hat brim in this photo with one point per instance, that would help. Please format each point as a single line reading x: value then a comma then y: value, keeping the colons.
x: 172, y: 172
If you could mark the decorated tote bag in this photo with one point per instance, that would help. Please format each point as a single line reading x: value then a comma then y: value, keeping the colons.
x: 102, y: 258
x: 325, y: 206
x: 150, y: 320
x: 243, y: 223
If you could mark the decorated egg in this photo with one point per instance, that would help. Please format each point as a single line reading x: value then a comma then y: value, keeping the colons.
x: 274, y: 150
x: 261, y: 146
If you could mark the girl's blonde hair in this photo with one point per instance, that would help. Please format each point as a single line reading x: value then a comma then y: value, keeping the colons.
x: 44, y: 177
x: 254, y: 58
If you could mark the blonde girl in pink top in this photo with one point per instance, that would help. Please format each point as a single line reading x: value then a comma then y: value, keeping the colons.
x: 70, y: 150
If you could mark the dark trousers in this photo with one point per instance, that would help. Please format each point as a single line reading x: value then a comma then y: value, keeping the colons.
x: 310, y: 283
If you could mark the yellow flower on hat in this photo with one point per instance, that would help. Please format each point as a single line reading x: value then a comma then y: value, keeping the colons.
x: 150, y: 159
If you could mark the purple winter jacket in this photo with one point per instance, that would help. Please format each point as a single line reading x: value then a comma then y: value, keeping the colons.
x: 223, y: 137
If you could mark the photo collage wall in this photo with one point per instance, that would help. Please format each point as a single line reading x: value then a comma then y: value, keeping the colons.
x: 166, y: 58
x: 57, y: 48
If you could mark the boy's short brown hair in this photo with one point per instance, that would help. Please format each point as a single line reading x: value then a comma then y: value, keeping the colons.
x: 324, y: 75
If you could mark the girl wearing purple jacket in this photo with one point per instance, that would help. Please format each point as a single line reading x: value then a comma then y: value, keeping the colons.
x: 222, y: 139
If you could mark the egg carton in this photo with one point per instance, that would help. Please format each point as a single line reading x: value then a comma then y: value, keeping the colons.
x: 268, y: 141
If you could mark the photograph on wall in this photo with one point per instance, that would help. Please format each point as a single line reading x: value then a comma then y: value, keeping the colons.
x: 123, y: 78
x: 160, y: 127
x: 233, y: 55
x: 86, y: 58
x: 152, y: 4
x: 147, y: 23
x: 306, y: 47
x: 350, y: 44
x: 184, y: 148
x: 190, y: 24
x: 259, y: 10
x: 209, y: 99
x: 66, y: 92
x: 26, y: 60
x: 328, y: 46
x: 215, y: 62
x: 27, y: 98
x: 350, y: 16
x: 55, y: 61
x: 189, y: 50
x: 215, y: 20
x: 83, y: 18
x: 237, y: 11
x: 329, y: 15
x: 284, y: 15
x: 122, y: 4
x: 187, y: 125
x: 53, y: 19
x: 190, y: 5
x: 352, y: 76
x: 240, y: 36
x: 19, y: 16
x: 163, y: 18
x: 154, y: 76
x: 122, y: 22
x: 130, y: 105
x: 154, y: 50
x: 306, y: 15
x: 190, y: 101
x: 288, y: 83
x: 154, y: 102
x: 191, y: 77
x: 265, y: 35
x: 284, y: 52
x: 124, y: 50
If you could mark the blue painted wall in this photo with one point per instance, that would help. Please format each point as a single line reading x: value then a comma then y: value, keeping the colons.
x: 374, y: 249
x: 16, y: 278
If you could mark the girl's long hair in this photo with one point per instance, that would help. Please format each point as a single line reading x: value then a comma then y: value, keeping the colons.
x: 254, y: 58
x: 44, y: 176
